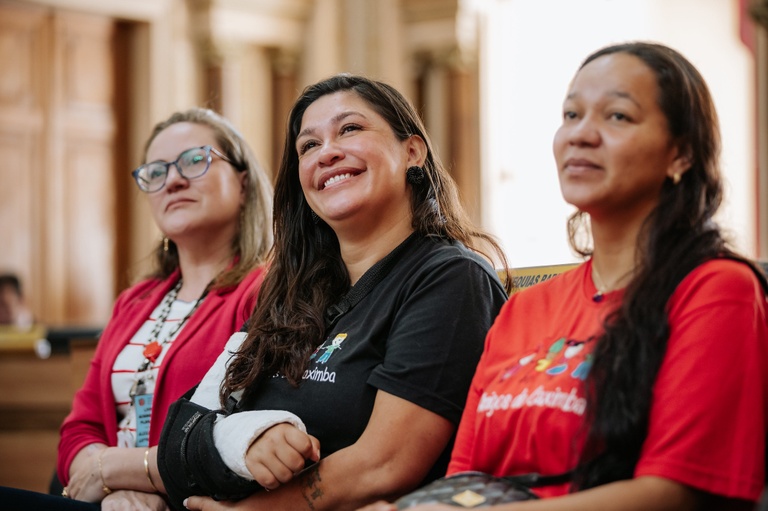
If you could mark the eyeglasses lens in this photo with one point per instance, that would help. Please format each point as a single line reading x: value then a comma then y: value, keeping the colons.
x: 194, y: 163
x: 190, y: 164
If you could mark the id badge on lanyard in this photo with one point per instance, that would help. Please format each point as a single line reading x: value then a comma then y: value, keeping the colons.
x: 142, y: 403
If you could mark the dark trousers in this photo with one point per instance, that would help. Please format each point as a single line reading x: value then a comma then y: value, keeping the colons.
x: 14, y: 499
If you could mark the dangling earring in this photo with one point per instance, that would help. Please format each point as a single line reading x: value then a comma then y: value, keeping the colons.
x: 415, y: 175
x: 165, y: 244
x: 676, y: 177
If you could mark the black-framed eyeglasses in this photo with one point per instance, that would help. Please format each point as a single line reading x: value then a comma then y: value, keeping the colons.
x: 191, y: 164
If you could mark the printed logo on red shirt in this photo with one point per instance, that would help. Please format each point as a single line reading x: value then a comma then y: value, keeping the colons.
x: 550, y: 377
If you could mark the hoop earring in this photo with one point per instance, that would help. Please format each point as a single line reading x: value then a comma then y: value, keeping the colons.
x: 415, y: 175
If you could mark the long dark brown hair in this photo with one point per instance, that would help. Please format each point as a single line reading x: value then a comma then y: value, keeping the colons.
x: 307, y: 273
x: 678, y: 235
x: 253, y: 240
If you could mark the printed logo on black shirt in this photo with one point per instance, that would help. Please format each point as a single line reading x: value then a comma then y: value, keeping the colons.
x: 321, y: 356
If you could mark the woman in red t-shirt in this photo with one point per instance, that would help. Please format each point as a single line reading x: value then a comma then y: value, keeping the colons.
x: 644, y: 371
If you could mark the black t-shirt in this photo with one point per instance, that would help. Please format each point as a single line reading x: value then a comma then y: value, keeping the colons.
x: 418, y: 334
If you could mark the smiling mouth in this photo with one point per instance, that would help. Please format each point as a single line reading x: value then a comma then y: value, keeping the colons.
x: 336, y: 179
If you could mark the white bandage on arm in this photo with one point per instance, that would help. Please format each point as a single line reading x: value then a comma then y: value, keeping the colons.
x: 234, y: 434
x: 207, y: 392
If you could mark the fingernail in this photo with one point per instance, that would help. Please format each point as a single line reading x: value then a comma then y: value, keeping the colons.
x: 185, y: 503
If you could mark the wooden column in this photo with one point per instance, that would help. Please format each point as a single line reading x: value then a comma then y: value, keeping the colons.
x: 285, y: 90
x: 447, y: 92
x: 759, y: 13
x: 464, y: 135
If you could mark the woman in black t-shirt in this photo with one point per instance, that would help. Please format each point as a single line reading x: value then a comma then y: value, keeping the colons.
x: 369, y: 325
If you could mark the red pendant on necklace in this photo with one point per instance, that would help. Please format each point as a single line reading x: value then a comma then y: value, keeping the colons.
x: 152, y: 351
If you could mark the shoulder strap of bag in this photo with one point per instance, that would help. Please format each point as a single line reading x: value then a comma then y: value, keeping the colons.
x: 365, y: 285
x: 758, y: 269
x: 534, y: 480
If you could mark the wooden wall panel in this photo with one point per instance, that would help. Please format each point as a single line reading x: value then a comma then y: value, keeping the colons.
x: 18, y: 150
x: 23, y: 52
x: 22, y: 46
x: 57, y: 133
x: 81, y: 191
x: 91, y: 242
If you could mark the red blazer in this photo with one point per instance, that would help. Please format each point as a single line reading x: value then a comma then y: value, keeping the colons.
x: 93, y: 417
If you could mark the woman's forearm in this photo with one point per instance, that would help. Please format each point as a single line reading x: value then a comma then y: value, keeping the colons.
x: 396, y: 451
x: 400, y: 445
x: 125, y: 469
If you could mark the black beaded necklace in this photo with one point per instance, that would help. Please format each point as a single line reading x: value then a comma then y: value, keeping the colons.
x: 154, y: 347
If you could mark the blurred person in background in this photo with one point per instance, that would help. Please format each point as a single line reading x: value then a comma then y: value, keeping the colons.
x: 13, y: 309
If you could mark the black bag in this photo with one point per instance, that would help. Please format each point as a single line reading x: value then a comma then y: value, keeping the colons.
x: 477, y: 489
x: 188, y: 460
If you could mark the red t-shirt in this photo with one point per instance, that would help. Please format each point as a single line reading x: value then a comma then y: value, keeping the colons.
x: 708, y: 421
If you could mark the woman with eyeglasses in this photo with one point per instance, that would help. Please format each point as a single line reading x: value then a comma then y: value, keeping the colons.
x: 212, y: 203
